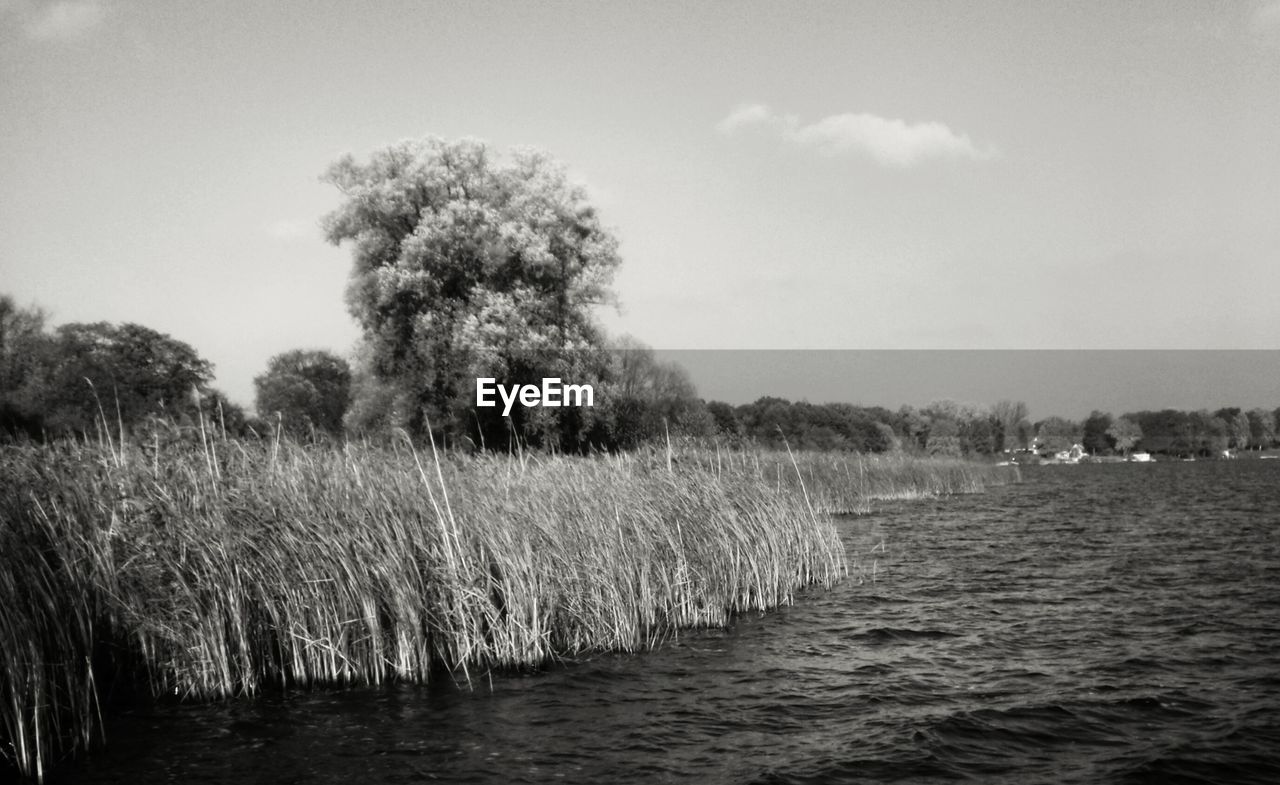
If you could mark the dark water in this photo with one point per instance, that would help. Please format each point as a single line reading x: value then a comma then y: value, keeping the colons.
x: 1095, y: 624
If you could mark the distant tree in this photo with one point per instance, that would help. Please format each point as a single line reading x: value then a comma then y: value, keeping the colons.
x: 821, y: 438
x: 1096, y: 439
x: 726, y: 419
x: 1124, y: 434
x: 978, y: 434
x: 773, y: 422
x: 1057, y: 433
x: 225, y: 417
x: 944, y: 437
x: 467, y: 266
x: 121, y: 372
x: 1240, y: 429
x: 1167, y: 431
x: 768, y: 421
x: 1209, y: 434
x: 307, y: 389
x: 20, y: 328
x: 1026, y: 433
x: 888, y: 438
x: 864, y: 428
x: 24, y: 348
x: 825, y: 426
x: 1237, y: 423
x: 377, y: 407
x: 1013, y: 427
x: 945, y: 409
x: 973, y: 427
x: 1262, y: 428
x: 944, y: 427
x: 644, y: 399
x: 914, y: 425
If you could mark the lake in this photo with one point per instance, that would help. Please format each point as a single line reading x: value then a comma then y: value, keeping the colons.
x: 1093, y: 624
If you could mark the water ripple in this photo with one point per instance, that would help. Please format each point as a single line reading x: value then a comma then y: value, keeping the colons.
x: 1100, y: 624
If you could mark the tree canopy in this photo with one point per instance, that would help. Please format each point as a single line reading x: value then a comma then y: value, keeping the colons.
x: 1124, y: 433
x: 23, y: 344
x: 1058, y: 433
x: 309, y: 390
x: 68, y: 380
x: 467, y: 264
x: 1097, y: 438
x: 128, y: 369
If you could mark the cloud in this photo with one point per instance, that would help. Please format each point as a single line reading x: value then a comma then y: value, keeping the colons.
x: 888, y: 142
x: 748, y: 115
x: 60, y: 21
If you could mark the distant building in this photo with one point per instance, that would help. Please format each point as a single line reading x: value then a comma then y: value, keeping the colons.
x: 1072, y: 455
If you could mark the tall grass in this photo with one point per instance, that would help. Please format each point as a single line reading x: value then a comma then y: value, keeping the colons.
x: 220, y: 569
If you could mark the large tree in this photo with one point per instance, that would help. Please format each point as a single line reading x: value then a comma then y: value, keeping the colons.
x: 466, y: 265
x: 308, y: 390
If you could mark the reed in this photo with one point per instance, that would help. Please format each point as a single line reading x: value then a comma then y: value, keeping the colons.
x: 222, y: 568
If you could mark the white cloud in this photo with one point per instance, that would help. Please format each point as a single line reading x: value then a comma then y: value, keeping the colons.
x: 63, y: 20
x: 886, y: 141
x: 746, y: 115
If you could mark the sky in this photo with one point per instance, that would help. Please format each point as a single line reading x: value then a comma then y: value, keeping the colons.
x: 781, y: 176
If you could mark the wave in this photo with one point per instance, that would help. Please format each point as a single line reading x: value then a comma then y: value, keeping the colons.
x: 893, y: 634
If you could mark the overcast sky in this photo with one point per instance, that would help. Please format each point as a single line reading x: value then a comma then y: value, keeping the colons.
x: 874, y: 175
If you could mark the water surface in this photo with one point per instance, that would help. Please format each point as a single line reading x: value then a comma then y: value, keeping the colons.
x: 1094, y: 624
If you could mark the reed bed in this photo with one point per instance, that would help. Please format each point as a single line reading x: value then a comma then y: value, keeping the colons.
x: 222, y: 568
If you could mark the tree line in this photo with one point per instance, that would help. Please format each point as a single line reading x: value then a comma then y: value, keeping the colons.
x: 80, y: 378
x: 941, y: 428
x: 955, y: 429
x: 1181, y: 433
